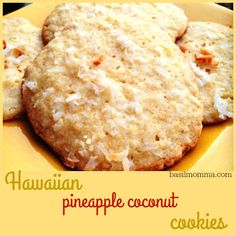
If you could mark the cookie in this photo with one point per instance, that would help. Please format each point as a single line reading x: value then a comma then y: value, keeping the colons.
x: 115, y: 95
x: 209, y: 47
x: 21, y: 42
x: 165, y: 15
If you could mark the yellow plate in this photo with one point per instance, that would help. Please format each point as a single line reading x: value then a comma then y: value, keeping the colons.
x: 22, y: 149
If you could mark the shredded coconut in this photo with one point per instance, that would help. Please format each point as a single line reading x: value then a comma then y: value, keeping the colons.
x: 17, y: 61
x: 83, y: 72
x: 222, y: 106
x: 178, y: 93
x: 71, y: 50
x: 135, y: 106
x: 122, y: 39
x: 73, y: 97
x: 82, y: 144
x: 58, y: 125
x: 78, y: 31
x: 210, y: 36
x: 91, y: 164
x: 122, y: 157
x: 56, y: 69
x: 103, y: 149
x: 58, y: 108
x: 160, y: 71
x: 97, y: 90
x: 127, y: 44
x: 88, y: 141
x: 48, y: 91
x: 83, y: 152
x: 113, y: 132
x: 93, y: 102
x: 127, y: 163
x: 147, y: 148
x: 57, y: 115
x: 112, y: 126
x: 111, y: 123
x: 56, y: 62
x: 59, y: 99
x: 8, y: 49
x: 203, y: 77
x: 31, y: 85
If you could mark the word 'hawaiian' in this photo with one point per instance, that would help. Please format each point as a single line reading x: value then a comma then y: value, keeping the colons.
x: 19, y: 182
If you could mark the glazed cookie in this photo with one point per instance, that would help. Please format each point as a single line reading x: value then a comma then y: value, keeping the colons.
x: 21, y: 42
x: 165, y: 15
x: 209, y: 47
x: 115, y: 95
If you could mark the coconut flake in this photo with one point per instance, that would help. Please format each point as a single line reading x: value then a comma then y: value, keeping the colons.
x: 8, y: 49
x: 83, y: 72
x: 135, y: 106
x: 222, y: 106
x: 129, y: 47
x: 178, y: 92
x: 91, y: 164
x: 203, y: 77
x: 59, y: 99
x: 17, y: 61
x: 123, y: 40
x: 58, y: 124
x: 57, y: 115
x: 97, y: 90
x: 56, y: 69
x: 93, y: 102
x: 113, y: 131
x: 146, y: 148
x: 48, y: 91
x: 160, y: 71
x: 83, y: 152
x: 118, y: 156
x: 71, y: 50
x: 73, y: 97
x: 88, y: 141
x: 31, y: 85
x: 103, y: 149
x: 127, y: 163
x: 211, y: 36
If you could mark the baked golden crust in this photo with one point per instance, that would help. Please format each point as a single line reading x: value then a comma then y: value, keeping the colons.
x: 112, y: 95
x: 209, y: 48
x: 167, y: 16
x: 21, y: 42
